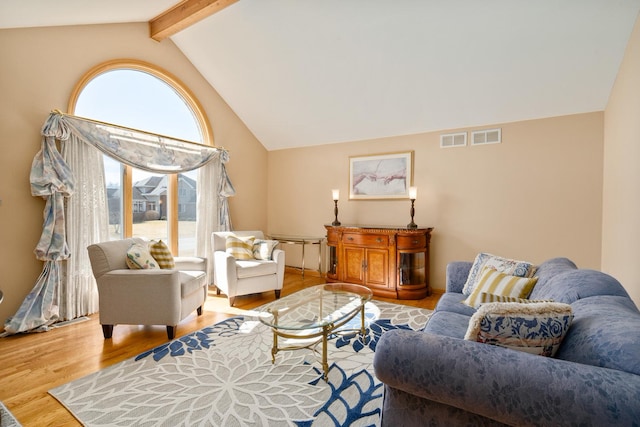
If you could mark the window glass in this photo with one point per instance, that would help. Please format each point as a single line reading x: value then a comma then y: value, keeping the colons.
x: 141, y: 100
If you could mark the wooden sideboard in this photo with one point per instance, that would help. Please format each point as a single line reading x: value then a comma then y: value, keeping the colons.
x: 391, y: 261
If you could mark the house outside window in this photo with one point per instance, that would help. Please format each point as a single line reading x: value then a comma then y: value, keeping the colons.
x: 140, y: 96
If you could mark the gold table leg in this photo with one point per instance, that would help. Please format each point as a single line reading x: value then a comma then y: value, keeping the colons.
x: 274, y: 349
x: 325, y: 365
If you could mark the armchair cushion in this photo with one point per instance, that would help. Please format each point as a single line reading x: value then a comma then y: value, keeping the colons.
x: 254, y: 268
x: 138, y: 257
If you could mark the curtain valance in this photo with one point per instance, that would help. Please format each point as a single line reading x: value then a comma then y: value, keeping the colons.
x: 143, y: 150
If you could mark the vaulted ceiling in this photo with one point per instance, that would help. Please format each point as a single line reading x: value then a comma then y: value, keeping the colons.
x: 301, y: 73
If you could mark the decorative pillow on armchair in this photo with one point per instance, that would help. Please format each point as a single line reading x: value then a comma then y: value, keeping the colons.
x: 503, y: 265
x: 263, y: 249
x: 536, y: 328
x: 240, y: 247
x: 162, y: 254
x: 138, y: 257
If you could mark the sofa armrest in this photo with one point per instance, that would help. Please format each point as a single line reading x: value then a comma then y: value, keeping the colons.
x: 190, y: 263
x: 278, y: 256
x: 226, y: 275
x: 140, y: 297
x: 505, y: 385
x: 457, y: 273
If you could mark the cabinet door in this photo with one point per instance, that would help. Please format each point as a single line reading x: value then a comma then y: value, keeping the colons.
x: 377, y: 267
x: 412, y: 268
x: 353, y: 265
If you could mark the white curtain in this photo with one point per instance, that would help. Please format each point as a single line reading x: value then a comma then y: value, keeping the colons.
x: 87, y: 223
x: 213, y: 210
x: 66, y: 291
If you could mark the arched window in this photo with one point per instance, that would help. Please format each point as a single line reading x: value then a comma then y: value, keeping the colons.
x: 141, y: 96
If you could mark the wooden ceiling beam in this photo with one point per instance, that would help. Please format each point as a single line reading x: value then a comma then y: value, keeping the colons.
x: 183, y: 15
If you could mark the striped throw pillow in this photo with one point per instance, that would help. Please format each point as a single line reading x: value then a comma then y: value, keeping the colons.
x: 240, y: 247
x: 487, y: 298
x: 508, y: 266
x: 496, y: 283
x: 162, y: 254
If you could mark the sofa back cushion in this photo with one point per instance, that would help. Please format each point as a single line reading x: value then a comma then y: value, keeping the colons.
x: 110, y: 255
x: 605, y: 332
x: 572, y: 285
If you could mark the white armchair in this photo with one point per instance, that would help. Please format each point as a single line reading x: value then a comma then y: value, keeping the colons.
x: 145, y: 297
x: 243, y: 277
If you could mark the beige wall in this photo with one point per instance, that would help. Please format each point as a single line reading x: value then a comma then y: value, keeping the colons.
x: 621, y: 196
x: 39, y: 68
x: 535, y: 196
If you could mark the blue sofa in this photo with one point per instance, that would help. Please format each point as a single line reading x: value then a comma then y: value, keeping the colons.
x: 436, y: 378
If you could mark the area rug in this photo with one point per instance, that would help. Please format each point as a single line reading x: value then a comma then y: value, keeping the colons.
x: 223, y: 375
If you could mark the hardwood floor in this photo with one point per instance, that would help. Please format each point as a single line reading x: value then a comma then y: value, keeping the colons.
x: 32, y: 364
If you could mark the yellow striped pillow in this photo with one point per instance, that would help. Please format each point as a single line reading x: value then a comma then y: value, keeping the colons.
x: 486, y: 298
x: 162, y: 254
x: 496, y: 283
x: 240, y: 247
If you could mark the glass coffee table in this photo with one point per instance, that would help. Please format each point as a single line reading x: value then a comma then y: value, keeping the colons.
x: 313, y: 314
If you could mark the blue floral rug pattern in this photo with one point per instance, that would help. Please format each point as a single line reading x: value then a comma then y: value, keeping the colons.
x: 222, y: 375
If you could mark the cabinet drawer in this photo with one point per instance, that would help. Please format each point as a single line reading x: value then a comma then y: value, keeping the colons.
x: 412, y: 242
x: 332, y: 237
x: 368, y: 240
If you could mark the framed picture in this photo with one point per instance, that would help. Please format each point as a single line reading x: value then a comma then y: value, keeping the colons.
x: 380, y: 176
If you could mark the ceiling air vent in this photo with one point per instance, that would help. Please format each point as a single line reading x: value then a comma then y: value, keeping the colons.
x: 487, y: 136
x: 453, y: 140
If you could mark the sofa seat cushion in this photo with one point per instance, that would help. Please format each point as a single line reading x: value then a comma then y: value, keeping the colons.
x: 191, y: 281
x: 252, y: 268
x: 605, y: 332
x: 453, y: 325
x: 453, y: 302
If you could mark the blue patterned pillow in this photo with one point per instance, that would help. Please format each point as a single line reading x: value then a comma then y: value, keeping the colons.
x: 536, y: 328
x: 263, y: 249
x: 507, y: 266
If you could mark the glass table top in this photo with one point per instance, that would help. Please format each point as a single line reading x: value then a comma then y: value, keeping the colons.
x: 315, y: 307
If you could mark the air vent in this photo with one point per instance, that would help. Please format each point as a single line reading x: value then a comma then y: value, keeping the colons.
x: 453, y: 140
x: 487, y: 136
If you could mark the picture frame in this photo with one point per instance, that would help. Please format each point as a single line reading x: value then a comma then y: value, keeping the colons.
x: 380, y: 176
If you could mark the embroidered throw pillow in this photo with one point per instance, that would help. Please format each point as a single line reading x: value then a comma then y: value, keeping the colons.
x: 240, y: 247
x: 263, y: 249
x: 536, y: 328
x: 138, y: 257
x: 504, y: 265
x: 161, y: 253
x: 496, y: 283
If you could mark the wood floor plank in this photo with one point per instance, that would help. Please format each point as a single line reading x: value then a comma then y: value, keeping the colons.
x: 33, y: 364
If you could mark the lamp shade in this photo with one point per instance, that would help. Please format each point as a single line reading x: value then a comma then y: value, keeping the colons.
x: 413, y: 193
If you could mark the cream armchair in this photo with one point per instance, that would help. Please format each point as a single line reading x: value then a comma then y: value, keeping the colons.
x: 145, y: 297
x: 243, y: 277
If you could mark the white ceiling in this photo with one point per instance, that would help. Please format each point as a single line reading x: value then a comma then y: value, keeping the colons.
x: 301, y: 73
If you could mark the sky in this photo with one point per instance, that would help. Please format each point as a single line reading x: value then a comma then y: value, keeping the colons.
x: 138, y: 100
